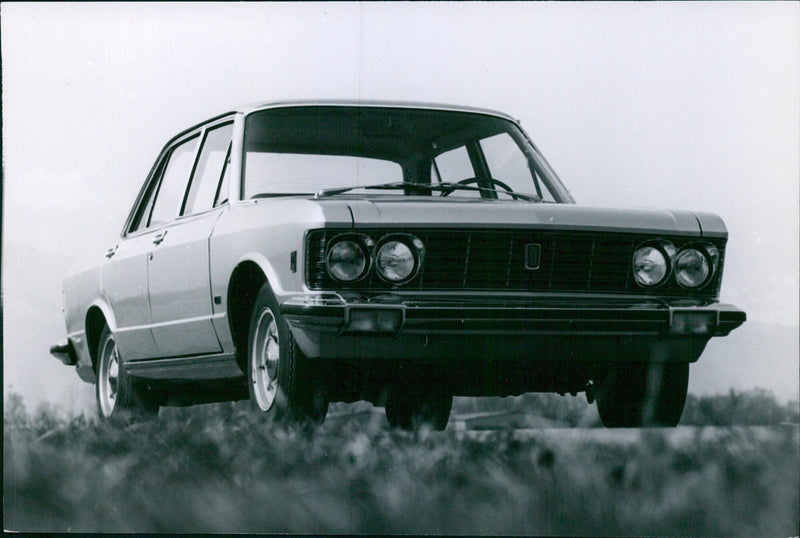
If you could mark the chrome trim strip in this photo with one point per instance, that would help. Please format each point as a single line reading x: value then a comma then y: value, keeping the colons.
x: 164, y: 323
x: 215, y: 366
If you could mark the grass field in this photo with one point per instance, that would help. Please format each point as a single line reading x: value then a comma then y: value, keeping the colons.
x: 219, y: 469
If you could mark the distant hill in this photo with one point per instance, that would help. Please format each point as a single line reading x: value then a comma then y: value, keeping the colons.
x: 756, y: 355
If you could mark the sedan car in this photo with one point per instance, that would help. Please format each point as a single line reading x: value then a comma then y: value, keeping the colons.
x: 300, y: 253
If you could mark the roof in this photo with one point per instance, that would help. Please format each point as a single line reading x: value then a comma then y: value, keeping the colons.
x: 370, y: 103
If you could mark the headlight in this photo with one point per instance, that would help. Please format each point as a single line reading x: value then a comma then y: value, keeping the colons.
x: 650, y: 266
x: 692, y: 268
x: 399, y: 258
x: 395, y: 262
x: 346, y: 260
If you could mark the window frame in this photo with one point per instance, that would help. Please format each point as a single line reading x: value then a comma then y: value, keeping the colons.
x: 539, y: 182
x: 147, y: 194
x: 153, y: 179
x: 160, y: 178
x: 225, y: 166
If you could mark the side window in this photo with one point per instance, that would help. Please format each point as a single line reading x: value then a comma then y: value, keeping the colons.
x: 173, y: 183
x: 224, y: 185
x: 453, y: 165
x: 508, y: 164
x: 209, y: 169
x: 146, y: 205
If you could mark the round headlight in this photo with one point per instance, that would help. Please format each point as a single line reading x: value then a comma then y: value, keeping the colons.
x: 395, y: 262
x: 346, y: 261
x: 691, y: 268
x: 649, y: 266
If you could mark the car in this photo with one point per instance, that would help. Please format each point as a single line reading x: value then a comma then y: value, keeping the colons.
x: 295, y: 254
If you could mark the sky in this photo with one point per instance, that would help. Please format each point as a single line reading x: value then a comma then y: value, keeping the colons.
x: 671, y: 105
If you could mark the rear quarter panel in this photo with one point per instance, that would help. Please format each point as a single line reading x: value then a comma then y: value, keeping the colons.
x: 82, y: 289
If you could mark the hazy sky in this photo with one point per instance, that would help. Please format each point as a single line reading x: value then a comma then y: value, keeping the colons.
x: 673, y: 105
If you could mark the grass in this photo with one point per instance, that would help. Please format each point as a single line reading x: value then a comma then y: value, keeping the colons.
x: 218, y: 469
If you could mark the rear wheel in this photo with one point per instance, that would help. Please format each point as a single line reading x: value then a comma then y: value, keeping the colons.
x: 118, y: 396
x: 643, y: 394
x: 410, y: 412
x: 280, y: 378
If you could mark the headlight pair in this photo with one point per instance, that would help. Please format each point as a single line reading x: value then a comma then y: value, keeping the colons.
x: 692, y: 266
x: 396, y: 257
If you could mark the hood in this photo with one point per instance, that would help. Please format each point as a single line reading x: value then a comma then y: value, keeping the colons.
x: 432, y: 212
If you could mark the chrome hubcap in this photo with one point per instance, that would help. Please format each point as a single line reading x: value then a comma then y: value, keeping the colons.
x: 264, y: 355
x: 108, y: 378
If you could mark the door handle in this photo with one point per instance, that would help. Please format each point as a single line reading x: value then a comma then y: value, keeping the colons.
x: 110, y: 252
x: 159, y: 237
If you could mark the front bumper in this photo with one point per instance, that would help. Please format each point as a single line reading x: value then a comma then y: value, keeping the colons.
x: 407, y: 326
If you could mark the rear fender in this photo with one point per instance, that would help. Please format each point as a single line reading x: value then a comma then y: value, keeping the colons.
x: 86, y: 342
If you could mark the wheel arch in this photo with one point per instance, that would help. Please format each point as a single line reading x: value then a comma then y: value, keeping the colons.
x: 247, y: 278
x: 98, y: 315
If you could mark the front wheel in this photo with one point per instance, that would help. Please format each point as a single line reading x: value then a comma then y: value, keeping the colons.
x: 118, y: 397
x: 643, y: 394
x: 280, y: 378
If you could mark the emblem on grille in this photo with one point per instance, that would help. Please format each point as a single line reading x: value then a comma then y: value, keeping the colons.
x: 533, y: 254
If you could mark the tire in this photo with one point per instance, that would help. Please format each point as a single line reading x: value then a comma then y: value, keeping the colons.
x: 643, y: 394
x: 280, y: 380
x: 410, y: 412
x: 119, y: 398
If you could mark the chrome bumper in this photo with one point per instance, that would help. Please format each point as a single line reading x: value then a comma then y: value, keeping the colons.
x: 412, y: 325
x: 394, y: 314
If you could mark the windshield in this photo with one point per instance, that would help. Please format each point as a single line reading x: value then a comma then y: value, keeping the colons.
x: 332, y: 149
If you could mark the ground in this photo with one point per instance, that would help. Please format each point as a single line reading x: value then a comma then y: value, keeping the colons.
x: 221, y: 469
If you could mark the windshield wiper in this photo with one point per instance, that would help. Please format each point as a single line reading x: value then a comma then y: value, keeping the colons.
x: 447, y: 187
x: 275, y: 195
x: 380, y: 186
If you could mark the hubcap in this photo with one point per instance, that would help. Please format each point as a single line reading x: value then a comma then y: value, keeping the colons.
x: 108, y: 378
x: 264, y: 355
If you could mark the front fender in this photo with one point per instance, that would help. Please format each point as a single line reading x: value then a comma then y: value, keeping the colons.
x: 221, y: 290
x: 711, y: 225
x: 269, y: 270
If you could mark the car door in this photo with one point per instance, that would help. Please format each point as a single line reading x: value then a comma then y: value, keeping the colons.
x: 124, y: 278
x: 178, y: 264
x: 124, y: 275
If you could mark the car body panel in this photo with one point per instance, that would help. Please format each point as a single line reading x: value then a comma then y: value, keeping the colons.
x: 435, y: 211
x: 264, y: 232
x: 711, y: 225
x: 124, y: 283
x: 179, y: 288
x: 263, y: 105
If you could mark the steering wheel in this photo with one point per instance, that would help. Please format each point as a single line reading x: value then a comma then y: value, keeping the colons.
x: 493, y: 181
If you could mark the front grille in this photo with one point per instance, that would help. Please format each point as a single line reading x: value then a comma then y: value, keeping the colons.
x: 579, y: 262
